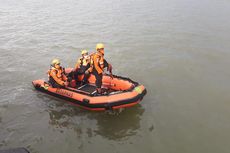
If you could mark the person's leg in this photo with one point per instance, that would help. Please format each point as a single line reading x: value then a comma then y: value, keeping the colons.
x: 76, y: 74
x: 85, y: 79
x: 86, y: 76
x: 99, y: 82
x: 54, y: 84
x: 70, y: 76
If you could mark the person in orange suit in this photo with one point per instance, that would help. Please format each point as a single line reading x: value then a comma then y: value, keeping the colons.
x: 82, y: 66
x: 97, y: 65
x: 57, y: 77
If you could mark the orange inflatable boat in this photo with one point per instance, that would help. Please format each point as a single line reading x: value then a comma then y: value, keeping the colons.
x: 120, y: 92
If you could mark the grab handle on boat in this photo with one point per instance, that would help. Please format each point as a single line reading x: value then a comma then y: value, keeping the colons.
x: 86, y: 101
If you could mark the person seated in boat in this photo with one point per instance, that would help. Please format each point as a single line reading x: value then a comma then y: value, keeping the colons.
x: 56, y: 74
x: 97, y: 65
x: 82, y: 67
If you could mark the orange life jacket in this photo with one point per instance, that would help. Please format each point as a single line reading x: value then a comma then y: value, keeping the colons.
x: 82, y: 62
x: 58, y: 75
x: 97, y: 62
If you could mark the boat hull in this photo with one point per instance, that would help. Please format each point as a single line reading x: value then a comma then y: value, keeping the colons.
x: 114, y: 100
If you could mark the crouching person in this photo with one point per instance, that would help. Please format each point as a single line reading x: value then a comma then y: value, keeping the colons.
x: 82, y: 68
x: 57, y: 77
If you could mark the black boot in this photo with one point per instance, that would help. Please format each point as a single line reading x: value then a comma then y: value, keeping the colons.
x: 78, y: 84
x: 99, y: 91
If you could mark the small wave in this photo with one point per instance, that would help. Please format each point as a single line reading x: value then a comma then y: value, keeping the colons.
x: 11, y: 69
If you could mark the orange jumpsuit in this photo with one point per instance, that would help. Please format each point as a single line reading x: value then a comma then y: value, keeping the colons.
x: 98, y: 63
x: 57, y: 77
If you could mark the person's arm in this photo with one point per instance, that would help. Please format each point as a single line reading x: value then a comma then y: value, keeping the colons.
x: 106, y: 64
x: 77, y: 65
x: 109, y: 66
x: 64, y: 77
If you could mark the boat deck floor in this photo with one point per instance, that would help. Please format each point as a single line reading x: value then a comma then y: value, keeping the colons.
x: 89, y: 88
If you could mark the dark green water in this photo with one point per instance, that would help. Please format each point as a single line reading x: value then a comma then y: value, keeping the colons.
x: 179, y: 49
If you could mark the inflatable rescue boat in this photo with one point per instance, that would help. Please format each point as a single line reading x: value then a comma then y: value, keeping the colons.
x: 119, y: 92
